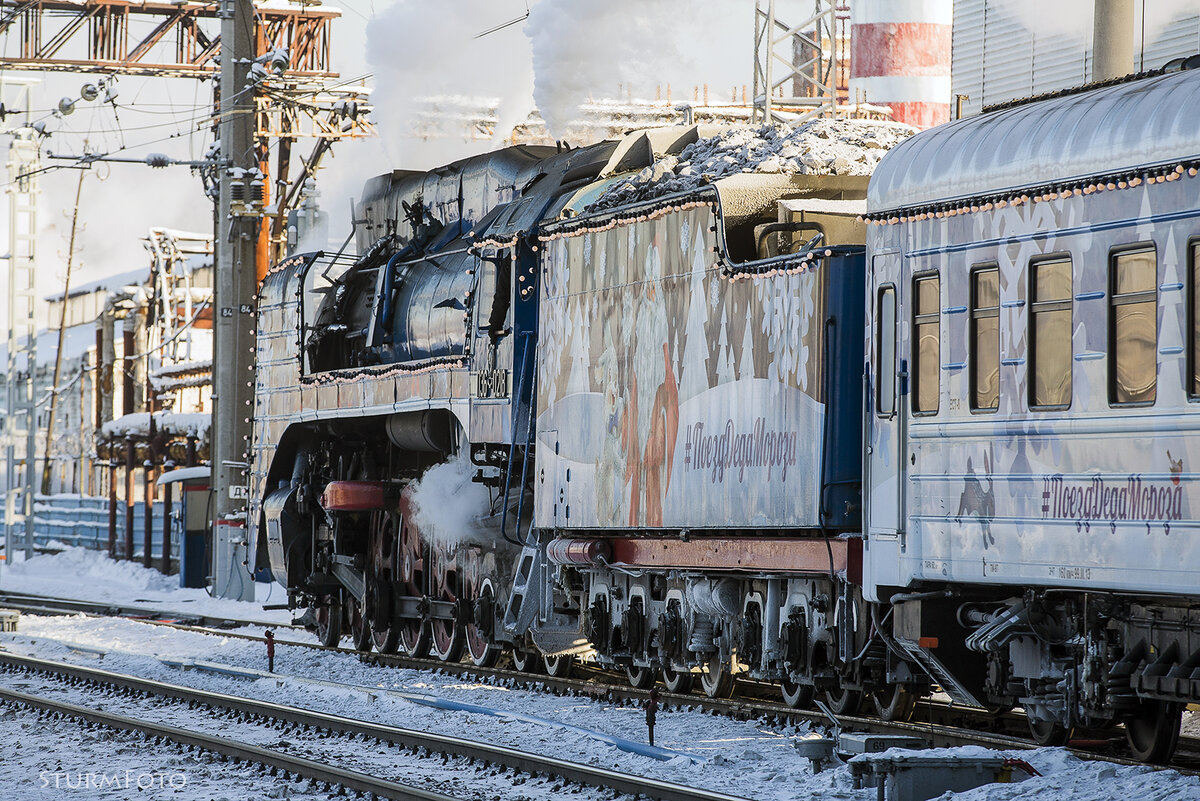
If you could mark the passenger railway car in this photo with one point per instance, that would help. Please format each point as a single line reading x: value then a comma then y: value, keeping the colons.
x: 1032, y: 425
x: 694, y: 464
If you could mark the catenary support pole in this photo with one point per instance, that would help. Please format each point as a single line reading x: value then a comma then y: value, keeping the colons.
x: 236, y: 286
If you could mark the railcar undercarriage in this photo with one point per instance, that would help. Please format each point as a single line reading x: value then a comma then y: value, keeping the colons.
x: 1071, y: 660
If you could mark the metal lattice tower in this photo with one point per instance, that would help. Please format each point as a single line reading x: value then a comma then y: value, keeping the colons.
x: 21, y: 420
x: 799, y: 59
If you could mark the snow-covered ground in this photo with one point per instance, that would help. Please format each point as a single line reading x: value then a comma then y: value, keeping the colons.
x: 750, y: 759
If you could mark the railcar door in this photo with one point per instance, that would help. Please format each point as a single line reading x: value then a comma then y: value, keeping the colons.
x: 491, y: 376
x: 886, y: 411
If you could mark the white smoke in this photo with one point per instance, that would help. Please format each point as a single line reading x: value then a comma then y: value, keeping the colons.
x: 448, y: 507
x: 592, y: 49
x: 421, y: 50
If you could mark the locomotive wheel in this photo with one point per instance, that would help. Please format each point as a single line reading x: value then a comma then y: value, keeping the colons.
x: 795, y: 694
x: 447, y: 640
x: 842, y: 701
x: 329, y: 622
x: 360, y: 629
x: 641, y: 678
x: 413, y: 638
x: 558, y: 666
x: 1154, y: 732
x: 678, y: 681
x: 386, y: 641
x: 385, y: 632
x: 894, y: 702
x: 1049, y: 732
x: 526, y: 661
x: 716, y: 680
x: 480, y: 648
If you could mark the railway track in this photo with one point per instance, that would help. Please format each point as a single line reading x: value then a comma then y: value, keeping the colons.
x: 938, y: 723
x: 320, y: 724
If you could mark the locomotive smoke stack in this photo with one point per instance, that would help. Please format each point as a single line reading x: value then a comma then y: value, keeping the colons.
x: 900, y: 57
x: 1112, y: 48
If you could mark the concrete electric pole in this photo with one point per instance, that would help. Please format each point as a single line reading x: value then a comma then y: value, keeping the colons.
x: 234, y: 322
x: 21, y: 422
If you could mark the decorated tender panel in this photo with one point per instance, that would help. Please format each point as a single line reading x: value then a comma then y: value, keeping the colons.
x: 670, y: 395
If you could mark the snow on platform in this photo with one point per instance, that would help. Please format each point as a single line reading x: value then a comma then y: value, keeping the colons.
x: 86, y: 575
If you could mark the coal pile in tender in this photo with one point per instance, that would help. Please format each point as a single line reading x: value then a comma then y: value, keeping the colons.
x: 819, y: 147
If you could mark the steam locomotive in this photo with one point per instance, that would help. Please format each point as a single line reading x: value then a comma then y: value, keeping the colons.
x: 863, y: 442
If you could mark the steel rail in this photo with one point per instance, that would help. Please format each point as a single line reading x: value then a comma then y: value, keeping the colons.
x: 242, y: 752
x: 523, y: 761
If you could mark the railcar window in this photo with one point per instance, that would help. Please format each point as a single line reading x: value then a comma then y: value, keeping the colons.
x: 1050, y: 334
x: 1194, y: 318
x: 985, y: 339
x: 926, y: 337
x: 885, y: 352
x: 1133, y: 328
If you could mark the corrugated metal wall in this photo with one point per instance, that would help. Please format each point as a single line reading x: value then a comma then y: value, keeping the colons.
x: 997, y: 57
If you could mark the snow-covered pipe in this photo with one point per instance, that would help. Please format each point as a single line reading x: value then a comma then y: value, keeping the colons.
x: 900, y: 57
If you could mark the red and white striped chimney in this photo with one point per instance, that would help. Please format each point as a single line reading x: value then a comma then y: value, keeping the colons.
x: 900, y: 57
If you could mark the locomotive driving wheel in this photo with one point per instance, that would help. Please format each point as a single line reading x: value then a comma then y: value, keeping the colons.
x: 412, y: 633
x: 360, y: 629
x: 447, y: 638
x: 381, y: 570
x: 480, y: 648
x: 1154, y: 732
x: 329, y: 621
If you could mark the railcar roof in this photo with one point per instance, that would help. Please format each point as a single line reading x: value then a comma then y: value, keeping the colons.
x: 1127, y: 126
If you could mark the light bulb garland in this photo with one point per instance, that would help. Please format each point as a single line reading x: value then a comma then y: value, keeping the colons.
x: 1126, y: 179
